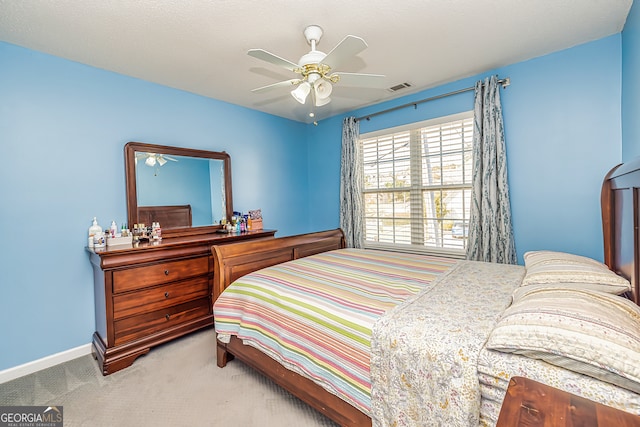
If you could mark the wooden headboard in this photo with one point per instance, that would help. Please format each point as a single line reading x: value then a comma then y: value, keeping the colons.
x: 620, y: 202
x: 230, y: 261
x: 168, y: 216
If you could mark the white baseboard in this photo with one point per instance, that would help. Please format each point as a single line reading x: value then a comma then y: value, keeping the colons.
x: 45, y: 362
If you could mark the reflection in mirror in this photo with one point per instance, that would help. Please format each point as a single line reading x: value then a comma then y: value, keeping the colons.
x: 187, y: 191
x: 181, y: 181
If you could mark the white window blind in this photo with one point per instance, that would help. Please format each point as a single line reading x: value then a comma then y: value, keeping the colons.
x: 417, y: 185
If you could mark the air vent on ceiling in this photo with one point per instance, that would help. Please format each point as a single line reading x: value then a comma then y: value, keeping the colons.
x: 398, y: 87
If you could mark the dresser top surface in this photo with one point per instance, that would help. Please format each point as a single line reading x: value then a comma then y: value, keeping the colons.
x: 199, y: 239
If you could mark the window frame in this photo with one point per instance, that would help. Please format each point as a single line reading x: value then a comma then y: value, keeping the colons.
x: 412, y: 127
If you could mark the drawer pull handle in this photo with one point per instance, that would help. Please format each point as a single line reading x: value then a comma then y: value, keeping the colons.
x: 166, y: 272
x: 166, y: 316
x: 166, y: 294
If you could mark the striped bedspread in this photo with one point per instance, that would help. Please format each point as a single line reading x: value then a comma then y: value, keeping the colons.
x: 315, y: 315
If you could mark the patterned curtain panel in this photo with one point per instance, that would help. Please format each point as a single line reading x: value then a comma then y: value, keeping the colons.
x: 490, y: 230
x: 351, y: 184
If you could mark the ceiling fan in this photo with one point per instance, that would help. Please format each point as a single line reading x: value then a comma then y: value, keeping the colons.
x: 150, y: 159
x: 316, y: 69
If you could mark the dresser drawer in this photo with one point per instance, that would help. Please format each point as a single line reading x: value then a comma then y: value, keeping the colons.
x: 134, y: 327
x: 159, y: 297
x: 142, y: 277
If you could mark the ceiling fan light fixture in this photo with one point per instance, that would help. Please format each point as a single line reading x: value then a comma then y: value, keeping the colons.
x: 161, y: 160
x: 322, y: 101
x: 313, y: 77
x: 323, y: 89
x: 151, y: 161
x: 301, y: 92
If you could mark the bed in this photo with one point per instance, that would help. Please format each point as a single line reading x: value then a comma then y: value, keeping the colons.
x: 439, y: 346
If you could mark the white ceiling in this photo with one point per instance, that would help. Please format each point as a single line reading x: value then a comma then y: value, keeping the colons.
x: 201, y: 46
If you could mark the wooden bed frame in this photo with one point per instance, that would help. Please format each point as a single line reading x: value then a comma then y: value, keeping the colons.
x: 234, y: 260
x: 620, y: 203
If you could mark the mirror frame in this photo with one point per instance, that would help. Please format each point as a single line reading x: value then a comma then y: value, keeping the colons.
x: 130, y: 150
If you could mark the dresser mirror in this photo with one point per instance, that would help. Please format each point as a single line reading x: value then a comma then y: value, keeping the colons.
x: 187, y: 191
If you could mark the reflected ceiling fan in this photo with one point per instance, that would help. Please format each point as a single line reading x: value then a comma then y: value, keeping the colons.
x: 316, y: 69
x: 151, y: 159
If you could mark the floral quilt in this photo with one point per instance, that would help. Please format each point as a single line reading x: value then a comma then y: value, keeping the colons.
x: 424, y: 352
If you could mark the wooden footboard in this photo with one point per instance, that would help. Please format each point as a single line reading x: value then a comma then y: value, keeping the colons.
x: 234, y: 260
x: 304, y: 389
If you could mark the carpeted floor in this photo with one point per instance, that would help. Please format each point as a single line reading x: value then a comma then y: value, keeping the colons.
x: 177, y: 384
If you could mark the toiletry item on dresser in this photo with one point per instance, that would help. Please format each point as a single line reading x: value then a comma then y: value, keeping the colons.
x: 256, y: 219
x: 121, y: 239
x: 156, y: 231
x: 113, y: 230
x: 140, y: 233
x: 99, y: 240
x: 95, y: 228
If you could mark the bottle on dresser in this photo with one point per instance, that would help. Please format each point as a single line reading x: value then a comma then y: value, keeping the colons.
x: 113, y: 230
x: 93, y: 230
x: 156, y: 231
x: 135, y: 233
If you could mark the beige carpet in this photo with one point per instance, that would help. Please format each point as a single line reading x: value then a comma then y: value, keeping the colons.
x: 177, y: 384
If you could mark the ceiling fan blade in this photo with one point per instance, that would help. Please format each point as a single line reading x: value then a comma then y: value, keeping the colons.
x: 377, y: 81
x: 347, y: 48
x: 273, y: 59
x: 276, y: 85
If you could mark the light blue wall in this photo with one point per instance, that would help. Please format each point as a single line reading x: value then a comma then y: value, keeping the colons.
x: 63, y: 127
x: 631, y: 84
x: 563, y: 131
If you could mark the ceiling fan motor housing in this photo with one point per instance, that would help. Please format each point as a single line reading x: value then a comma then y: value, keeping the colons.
x: 310, y: 62
x: 313, y: 57
x: 313, y: 33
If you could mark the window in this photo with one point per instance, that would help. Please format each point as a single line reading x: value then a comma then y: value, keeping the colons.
x: 417, y: 185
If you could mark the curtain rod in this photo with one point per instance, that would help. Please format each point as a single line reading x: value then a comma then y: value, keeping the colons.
x: 504, y: 82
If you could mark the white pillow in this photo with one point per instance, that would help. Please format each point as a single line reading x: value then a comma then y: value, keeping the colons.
x: 589, y: 332
x: 559, y: 269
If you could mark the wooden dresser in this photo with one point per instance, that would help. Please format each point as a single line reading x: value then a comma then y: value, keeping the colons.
x: 532, y: 404
x: 152, y: 293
